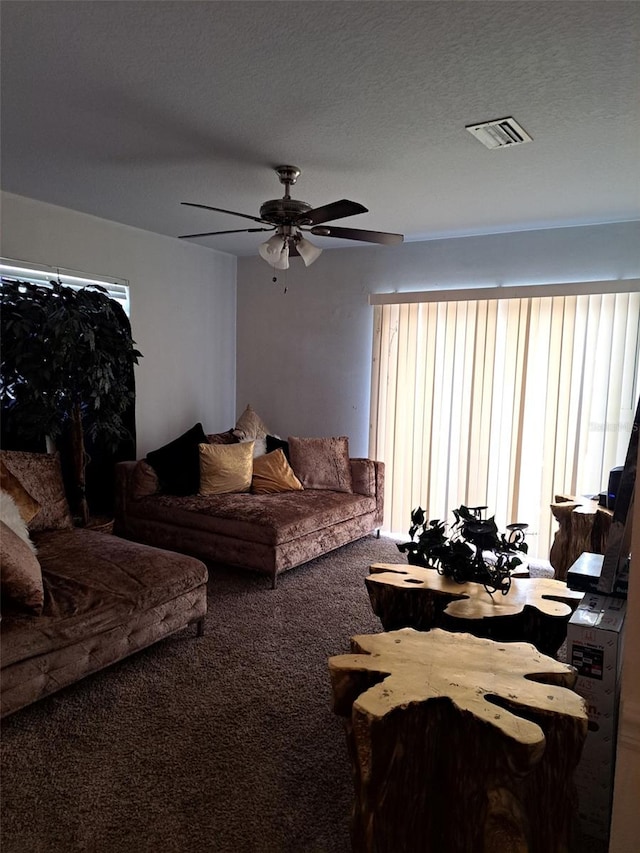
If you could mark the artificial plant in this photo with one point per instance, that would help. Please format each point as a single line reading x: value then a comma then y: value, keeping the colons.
x: 67, y: 358
x: 462, y: 554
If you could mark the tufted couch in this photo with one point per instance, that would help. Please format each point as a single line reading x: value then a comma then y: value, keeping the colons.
x: 93, y: 598
x: 269, y: 533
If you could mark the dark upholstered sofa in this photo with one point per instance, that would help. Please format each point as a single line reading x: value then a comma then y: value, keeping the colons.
x: 101, y: 597
x: 269, y: 533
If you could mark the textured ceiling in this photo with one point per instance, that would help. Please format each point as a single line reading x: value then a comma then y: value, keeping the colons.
x: 125, y: 109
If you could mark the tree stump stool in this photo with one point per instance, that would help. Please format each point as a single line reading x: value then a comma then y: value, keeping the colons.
x: 458, y: 744
x: 583, y: 526
x: 535, y: 610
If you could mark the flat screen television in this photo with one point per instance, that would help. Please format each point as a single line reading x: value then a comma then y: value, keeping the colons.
x: 615, y: 475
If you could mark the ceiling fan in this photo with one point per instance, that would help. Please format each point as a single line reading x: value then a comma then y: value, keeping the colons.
x: 289, y: 217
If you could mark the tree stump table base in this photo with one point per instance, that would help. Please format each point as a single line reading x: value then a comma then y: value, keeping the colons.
x: 458, y: 744
x: 583, y: 526
x: 535, y: 610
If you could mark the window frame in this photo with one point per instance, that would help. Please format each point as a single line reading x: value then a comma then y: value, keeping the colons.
x: 117, y: 288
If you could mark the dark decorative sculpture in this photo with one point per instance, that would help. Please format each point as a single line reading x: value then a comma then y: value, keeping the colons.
x: 475, y: 550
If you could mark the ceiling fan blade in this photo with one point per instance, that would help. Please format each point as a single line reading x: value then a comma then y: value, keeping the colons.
x: 233, y: 231
x: 335, y: 210
x: 222, y: 210
x: 382, y: 237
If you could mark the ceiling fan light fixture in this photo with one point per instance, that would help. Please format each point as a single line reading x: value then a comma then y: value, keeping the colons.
x: 275, y: 252
x: 307, y: 251
x: 282, y: 261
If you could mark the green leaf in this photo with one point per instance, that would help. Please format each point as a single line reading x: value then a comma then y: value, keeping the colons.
x: 59, y: 347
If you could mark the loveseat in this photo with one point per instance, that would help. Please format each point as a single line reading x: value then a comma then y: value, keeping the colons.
x: 337, y: 500
x: 84, y: 599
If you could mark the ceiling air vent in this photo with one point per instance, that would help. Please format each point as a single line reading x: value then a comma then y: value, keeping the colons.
x: 500, y: 133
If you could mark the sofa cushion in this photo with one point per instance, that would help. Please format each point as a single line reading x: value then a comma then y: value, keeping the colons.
x: 272, y: 473
x: 41, y: 476
x: 177, y: 463
x: 269, y: 519
x: 9, y: 483
x: 322, y: 463
x: 363, y: 476
x: 250, y: 425
x: 20, y: 574
x: 225, y: 468
x: 94, y: 582
x: 222, y: 437
x: 144, y: 481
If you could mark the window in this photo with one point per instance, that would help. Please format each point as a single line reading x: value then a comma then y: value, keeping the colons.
x: 502, y: 398
x: 118, y: 288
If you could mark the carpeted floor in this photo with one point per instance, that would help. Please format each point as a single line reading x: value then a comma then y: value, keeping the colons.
x: 224, y: 744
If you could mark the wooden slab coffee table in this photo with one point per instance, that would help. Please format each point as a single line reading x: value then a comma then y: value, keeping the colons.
x: 458, y: 743
x: 535, y: 610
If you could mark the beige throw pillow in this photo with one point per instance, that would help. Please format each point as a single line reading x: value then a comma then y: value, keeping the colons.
x: 250, y: 425
x: 40, y: 474
x: 272, y: 473
x: 225, y: 468
x: 322, y: 463
x: 20, y: 574
x: 10, y: 484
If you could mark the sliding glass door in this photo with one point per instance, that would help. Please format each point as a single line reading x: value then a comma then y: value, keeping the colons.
x: 502, y: 402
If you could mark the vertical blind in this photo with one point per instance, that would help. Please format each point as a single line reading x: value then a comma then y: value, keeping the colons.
x: 502, y: 403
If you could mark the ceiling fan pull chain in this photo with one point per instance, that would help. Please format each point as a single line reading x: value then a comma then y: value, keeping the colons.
x: 286, y: 286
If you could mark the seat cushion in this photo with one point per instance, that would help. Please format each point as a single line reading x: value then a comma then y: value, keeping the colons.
x: 269, y: 519
x: 93, y: 582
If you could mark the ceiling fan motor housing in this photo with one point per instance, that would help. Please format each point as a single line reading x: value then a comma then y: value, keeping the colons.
x: 284, y: 211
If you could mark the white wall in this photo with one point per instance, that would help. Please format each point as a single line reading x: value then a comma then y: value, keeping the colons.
x: 304, y: 356
x: 183, y: 309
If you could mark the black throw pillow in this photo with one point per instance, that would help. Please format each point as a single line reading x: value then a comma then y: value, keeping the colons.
x: 177, y: 464
x: 275, y: 443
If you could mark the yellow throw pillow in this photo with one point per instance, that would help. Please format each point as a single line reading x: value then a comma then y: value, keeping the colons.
x: 225, y: 468
x: 272, y: 473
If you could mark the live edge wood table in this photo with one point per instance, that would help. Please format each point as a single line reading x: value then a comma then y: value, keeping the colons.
x: 535, y: 610
x: 583, y: 526
x: 458, y: 744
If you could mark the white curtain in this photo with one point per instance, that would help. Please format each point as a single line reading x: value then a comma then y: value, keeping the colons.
x: 502, y: 403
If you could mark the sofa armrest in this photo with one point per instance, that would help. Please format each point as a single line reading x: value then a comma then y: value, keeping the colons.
x: 368, y: 479
x: 123, y: 496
